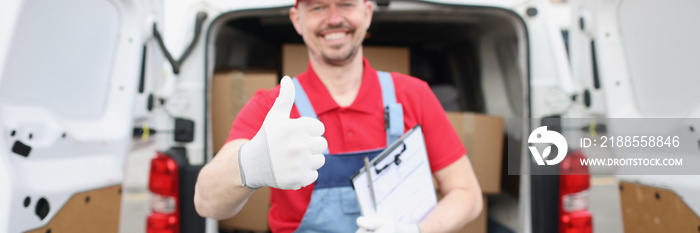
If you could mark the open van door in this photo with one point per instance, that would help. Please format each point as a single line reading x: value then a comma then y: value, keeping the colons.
x: 76, y: 77
x: 641, y: 59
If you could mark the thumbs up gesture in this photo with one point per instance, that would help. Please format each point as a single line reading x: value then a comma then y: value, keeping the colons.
x: 285, y: 153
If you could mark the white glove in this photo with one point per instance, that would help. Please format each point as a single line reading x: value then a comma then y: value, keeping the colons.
x: 285, y: 153
x: 384, y: 224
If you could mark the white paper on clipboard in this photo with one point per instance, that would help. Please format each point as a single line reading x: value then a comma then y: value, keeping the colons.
x: 405, y: 192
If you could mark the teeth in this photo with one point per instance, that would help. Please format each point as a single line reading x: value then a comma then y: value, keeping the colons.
x: 335, y: 36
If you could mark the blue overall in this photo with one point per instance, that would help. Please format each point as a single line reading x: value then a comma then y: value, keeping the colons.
x: 333, y: 206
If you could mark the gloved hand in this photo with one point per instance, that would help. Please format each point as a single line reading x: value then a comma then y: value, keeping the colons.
x: 285, y: 153
x: 384, y: 224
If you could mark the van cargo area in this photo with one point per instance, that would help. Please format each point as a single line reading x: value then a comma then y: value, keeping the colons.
x: 477, y: 50
x: 113, y: 112
x: 474, y: 59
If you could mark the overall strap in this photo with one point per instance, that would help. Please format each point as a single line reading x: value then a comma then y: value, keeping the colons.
x: 302, y: 101
x: 303, y: 104
x: 393, y: 112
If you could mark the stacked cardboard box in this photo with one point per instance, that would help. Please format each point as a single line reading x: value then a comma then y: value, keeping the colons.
x: 295, y: 58
x: 481, y: 134
x: 231, y: 90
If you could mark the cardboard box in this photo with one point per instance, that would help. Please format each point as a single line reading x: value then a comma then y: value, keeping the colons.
x: 253, y: 216
x: 295, y: 59
x: 231, y: 90
x: 482, y: 135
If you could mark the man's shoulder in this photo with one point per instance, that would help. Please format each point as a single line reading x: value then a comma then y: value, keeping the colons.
x: 407, y: 82
x: 267, y: 93
x: 265, y: 97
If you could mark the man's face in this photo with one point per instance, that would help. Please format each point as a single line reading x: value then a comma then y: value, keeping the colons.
x: 333, y: 30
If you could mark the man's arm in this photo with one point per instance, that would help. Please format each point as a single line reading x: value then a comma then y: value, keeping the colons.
x: 462, y: 201
x: 284, y: 154
x: 219, y: 192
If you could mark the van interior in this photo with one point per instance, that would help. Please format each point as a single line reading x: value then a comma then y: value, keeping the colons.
x: 477, y: 53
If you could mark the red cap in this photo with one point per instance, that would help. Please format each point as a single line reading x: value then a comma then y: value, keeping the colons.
x: 297, y: 3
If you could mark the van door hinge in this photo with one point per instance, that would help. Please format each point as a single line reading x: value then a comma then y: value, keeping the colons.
x: 199, y: 20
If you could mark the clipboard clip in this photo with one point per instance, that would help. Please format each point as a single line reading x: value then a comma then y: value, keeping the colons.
x: 397, y: 160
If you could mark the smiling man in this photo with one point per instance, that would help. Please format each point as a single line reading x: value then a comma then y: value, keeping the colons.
x: 301, y: 137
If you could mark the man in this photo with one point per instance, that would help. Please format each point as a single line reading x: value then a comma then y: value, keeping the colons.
x: 269, y: 145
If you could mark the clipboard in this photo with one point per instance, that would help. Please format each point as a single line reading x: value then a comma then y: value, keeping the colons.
x: 398, y: 182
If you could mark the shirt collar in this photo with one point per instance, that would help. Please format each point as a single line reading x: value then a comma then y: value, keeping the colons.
x: 322, y: 102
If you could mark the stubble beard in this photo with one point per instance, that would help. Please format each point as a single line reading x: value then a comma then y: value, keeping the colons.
x: 343, y: 59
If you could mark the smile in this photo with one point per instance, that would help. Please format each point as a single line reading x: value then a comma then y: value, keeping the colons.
x: 334, y: 36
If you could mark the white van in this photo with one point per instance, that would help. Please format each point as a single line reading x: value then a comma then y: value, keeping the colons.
x: 83, y: 83
x: 641, y: 59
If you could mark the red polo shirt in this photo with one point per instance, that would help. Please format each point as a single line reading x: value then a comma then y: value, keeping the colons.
x: 358, y: 127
